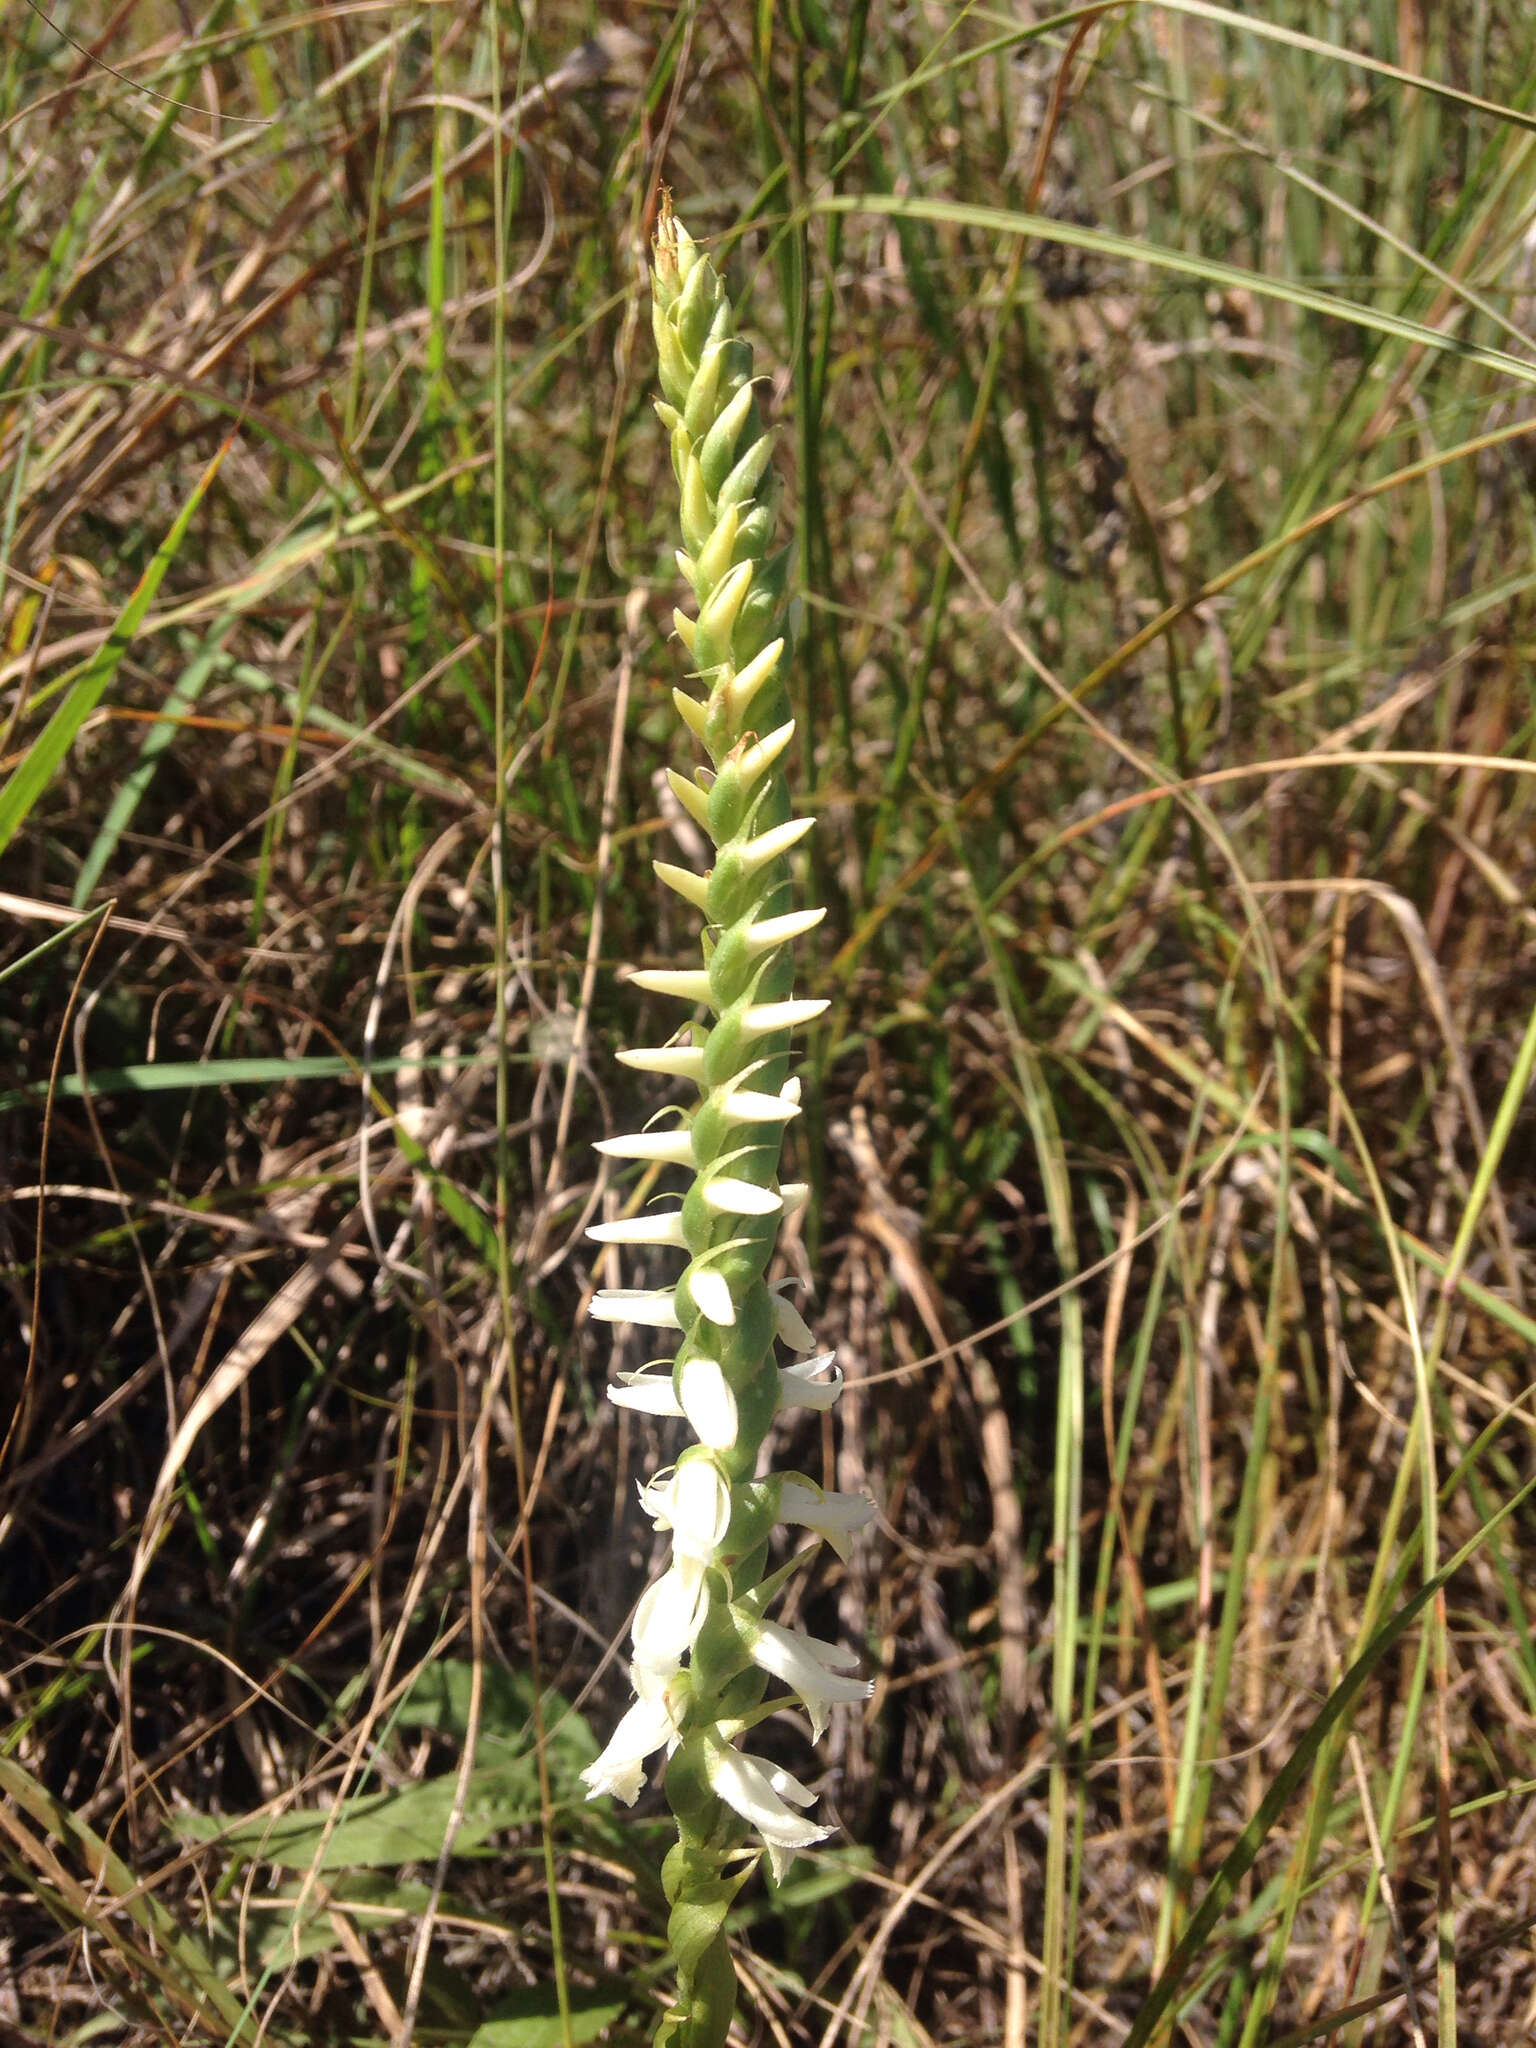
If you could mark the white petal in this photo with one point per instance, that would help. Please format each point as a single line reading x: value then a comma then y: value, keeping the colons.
x: 813, y: 1669
x: 669, y: 1617
x: 796, y: 1194
x: 708, y: 1402
x: 761, y: 1018
x: 701, y: 1509
x: 791, y: 1789
x: 657, y: 1228
x: 752, y: 1106
x: 655, y: 1497
x: 769, y: 932
x: 649, y: 1393
x: 793, y: 1327
x: 693, y: 1500
x: 656, y: 1310
x: 833, y: 1516
x: 670, y: 1148
x: 620, y: 1770
x: 728, y: 1196
x: 684, y: 1060
x: 769, y: 845
x: 712, y: 1292
x: 762, y: 1799
x: 692, y: 888
x: 689, y: 984
x: 799, y: 1388
x: 756, y: 760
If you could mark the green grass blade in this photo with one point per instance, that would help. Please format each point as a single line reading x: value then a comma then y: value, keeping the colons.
x: 1335, y: 1711
x: 32, y: 776
x: 1205, y: 270
x: 184, y: 695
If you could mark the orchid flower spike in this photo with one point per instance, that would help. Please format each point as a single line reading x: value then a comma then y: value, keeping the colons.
x: 704, y: 1655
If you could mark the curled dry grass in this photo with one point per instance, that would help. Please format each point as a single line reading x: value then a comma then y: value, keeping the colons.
x: 1157, y: 394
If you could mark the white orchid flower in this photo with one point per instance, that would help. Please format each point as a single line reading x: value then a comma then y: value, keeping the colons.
x: 836, y: 1517
x: 620, y: 1770
x: 765, y: 1797
x: 694, y: 1502
x: 816, y: 1671
x: 667, y: 1621
x: 800, y: 1384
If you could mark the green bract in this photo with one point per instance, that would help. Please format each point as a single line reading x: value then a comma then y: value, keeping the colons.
x: 703, y: 1649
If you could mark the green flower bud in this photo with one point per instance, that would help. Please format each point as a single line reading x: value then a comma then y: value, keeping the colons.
x: 718, y: 449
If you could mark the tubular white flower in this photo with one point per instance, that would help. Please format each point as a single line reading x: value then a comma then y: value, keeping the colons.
x: 746, y: 683
x: 648, y: 1393
x: 815, y: 1670
x: 769, y: 932
x: 751, y: 1106
x: 664, y: 1228
x: 758, y: 759
x: 696, y: 717
x: 648, y: 1306
x: 695, y: 801
x: 620, y: 1770
x: 728, y: 1196
x: 688, y: 984
x: 778, y: 839
x: 664, y: 1148
x: 761, y: 1018
x: 686, y: 1061
x: 835, y: 1517
x: 766, y: 1798
x: 693, y: 888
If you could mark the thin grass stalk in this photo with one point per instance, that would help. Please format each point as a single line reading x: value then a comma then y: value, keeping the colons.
x: 1331, y: 1753
x: 1066, y: 1498
x: 502, y: 744
x: 1211, y: 1709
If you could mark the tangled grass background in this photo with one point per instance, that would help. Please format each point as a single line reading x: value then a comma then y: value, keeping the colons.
x: 1154, y: 387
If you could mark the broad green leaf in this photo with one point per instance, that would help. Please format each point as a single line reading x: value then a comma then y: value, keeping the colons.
x: 440, y: 1697
x: 531, y: 2018
x: 298, y: 1923
x: 382, y: 1830
x: 808, y: 1884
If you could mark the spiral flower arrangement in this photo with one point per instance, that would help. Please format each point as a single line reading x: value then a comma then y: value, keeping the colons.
x: 703, y: 1648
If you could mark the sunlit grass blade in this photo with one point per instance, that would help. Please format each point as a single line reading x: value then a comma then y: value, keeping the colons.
x: 45, y: 754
